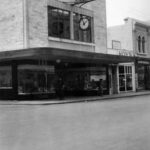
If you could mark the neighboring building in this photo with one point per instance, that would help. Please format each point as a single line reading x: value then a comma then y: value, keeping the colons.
x: 131, y: 39
x: 47, y: 45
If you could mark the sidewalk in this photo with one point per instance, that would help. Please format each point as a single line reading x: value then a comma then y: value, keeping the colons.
x: 74, y: 99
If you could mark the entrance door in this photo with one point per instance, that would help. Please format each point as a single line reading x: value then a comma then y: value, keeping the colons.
x: 125, y: 78
x: 141, y: 77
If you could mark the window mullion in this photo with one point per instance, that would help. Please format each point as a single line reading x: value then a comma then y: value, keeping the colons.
x: 71, y: 26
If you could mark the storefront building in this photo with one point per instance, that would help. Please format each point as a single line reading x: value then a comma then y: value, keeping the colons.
x: 132, y: 39
x: 142, y: 53
x: 27, y: 75
x: 55, y: 46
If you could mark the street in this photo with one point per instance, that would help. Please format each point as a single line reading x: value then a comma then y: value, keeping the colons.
x: 122, y: 124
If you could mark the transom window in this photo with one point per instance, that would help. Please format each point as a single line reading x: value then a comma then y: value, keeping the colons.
x: 66, y: 25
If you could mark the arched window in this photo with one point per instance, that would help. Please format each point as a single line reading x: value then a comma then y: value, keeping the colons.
x: 139, y: 44
x: 143, y: 44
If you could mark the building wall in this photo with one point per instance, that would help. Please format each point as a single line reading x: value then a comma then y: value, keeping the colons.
x: 143, y: 32
x: 11, y: 25
x: 38, y: 28
x: 100, y: 24
x: 122, y: 33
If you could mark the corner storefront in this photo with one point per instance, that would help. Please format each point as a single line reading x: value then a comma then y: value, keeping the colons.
x: 38, y: 73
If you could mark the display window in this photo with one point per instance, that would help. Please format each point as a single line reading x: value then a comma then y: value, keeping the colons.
x: 85, y: 79
x: 141, y: 77
x: 36, y: 79
x: 5, y: 77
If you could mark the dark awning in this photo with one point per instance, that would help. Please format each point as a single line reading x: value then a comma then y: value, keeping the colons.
x: 142, y: 60
x: 64, y: 55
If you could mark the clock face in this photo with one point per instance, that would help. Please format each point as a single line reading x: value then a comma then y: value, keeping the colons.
x: 84, y: 23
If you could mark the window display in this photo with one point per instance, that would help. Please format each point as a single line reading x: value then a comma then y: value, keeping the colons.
x: 141, y: 77
x: 85, y: 79
x: 5, y: 77
x: 35, y: 79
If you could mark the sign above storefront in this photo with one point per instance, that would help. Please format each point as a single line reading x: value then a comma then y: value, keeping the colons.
x: 125, y: 53
x: 144, y: 62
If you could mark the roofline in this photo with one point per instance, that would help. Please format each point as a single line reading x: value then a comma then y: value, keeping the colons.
x: 66, y: 55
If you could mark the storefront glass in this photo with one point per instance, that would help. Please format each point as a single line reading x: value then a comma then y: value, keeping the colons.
x: 125, y: 78
x: 141, y: 77
x: 85, y: 79
x: 5, y: 77
x: 35, y: 79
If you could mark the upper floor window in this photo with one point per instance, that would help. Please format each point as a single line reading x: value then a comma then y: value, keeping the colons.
x: 69, y: 25
x: 58, y: 23
x: 141, y: 44
x: 81, y: 32
x: 116, y: 44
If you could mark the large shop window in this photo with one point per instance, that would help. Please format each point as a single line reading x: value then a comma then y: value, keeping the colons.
x: 141, y: 77
x: 5, y: 77
x: 35, y: 79
x: 85, y: 79
x: 58, y: 23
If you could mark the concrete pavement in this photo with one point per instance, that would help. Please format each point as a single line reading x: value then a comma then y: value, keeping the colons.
x: 73, y: 99
x: 122, y: 124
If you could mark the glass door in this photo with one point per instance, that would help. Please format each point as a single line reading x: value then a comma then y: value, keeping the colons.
x: 125, y: 78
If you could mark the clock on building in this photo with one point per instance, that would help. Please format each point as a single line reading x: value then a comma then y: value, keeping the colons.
x: 84, y: 23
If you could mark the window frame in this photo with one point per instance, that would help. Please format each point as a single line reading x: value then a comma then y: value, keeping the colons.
x: 58, y: 19
x: 141, y: 44
x: 74, y: 9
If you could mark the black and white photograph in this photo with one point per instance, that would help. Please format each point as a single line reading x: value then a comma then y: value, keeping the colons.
x: 75, y: 75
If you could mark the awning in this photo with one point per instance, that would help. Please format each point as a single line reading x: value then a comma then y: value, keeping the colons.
x: 142, y: 60
x: 64, y: 55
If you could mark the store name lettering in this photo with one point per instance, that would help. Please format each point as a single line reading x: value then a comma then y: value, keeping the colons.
x: 125, y: 53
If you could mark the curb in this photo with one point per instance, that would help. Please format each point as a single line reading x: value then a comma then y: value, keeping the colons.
x: 80, y: 100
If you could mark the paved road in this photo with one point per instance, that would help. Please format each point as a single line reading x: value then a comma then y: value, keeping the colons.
x: 105, y: 125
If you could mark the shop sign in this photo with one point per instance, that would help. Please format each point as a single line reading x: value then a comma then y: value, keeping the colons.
x: 125, y: 53
x: 144, y: 62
